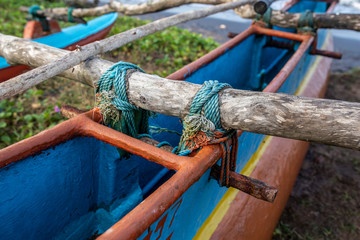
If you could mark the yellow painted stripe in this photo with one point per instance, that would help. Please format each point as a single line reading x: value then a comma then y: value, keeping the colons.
x: 211, y: 223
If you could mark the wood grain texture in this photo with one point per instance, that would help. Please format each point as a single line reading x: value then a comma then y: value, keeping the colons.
x: 318, y: 120
x: 29, y: 79
x: 126, y: 9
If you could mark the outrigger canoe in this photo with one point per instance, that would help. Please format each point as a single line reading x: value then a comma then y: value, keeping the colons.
x: 69, y: 182
x: 68, y: 38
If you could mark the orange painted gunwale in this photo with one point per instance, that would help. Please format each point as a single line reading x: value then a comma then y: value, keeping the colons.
x: 189, y: 169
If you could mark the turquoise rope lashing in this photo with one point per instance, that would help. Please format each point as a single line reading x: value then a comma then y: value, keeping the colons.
x: 44, y: 22
x: 70, y: 16
x: 114, y: 79
x: 206, y: 100
x: 265, y: 18
x: 33, y: 10
x: 306, y: 22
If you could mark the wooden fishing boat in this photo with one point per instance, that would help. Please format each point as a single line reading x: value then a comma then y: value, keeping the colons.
x: 67, y: 38
x: 69, y: 181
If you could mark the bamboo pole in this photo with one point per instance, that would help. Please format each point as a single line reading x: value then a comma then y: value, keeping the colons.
x: 316, y: 120
x: 36, y: 76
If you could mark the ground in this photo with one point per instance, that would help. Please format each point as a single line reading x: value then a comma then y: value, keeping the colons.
x: 325, y: 201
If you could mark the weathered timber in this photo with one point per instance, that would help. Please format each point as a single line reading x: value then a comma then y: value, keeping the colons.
x: 63, y: 18
x: 338, y: 21
x: 36, y: 76
x: 249, y: 10
x: 291, y: 20
x: 317, y: 120
x: 126, y: 9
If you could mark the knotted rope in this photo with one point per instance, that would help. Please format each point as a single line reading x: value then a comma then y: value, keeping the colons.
x: 265, y: 18
x: 306, y: 22
x: 42, y: 19
x: 203, y: 127
x: 70, y: 16
x: 114, y: 104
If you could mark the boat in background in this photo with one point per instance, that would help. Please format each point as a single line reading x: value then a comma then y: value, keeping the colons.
x: 70, y: 182
x: 67, y: 38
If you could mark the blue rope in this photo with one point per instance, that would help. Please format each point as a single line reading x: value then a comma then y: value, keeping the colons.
x: 156, y: 129
x: 163, y: 143
x: 114, y: 77
x: 306, y: 22
x: 144, y: 135
x: 70, y: 17
x: 33, y: 10
x: 208, y: 98
x: 265, y: 18
x: 42, y: 19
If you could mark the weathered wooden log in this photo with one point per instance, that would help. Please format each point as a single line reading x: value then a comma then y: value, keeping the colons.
x: 36, y: 76
x: 338, y: 21
x: 63, y: 18
x: 278, y: 18
x: 320, y: 20
x: 317, y: 120
x: 126, y: 9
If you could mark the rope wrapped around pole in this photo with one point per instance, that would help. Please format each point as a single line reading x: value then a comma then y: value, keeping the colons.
x: 316, y: 120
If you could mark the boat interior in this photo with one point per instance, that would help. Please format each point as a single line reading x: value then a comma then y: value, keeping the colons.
x: 76, y: 186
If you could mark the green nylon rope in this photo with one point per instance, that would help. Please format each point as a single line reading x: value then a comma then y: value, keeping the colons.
x: 44, y: 23
x: 113, y: 80
x: 70, y: 16
x: 306, y: 22
x: 206, y: 101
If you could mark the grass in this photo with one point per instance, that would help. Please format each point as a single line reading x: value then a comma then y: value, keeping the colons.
x: 33, y: 111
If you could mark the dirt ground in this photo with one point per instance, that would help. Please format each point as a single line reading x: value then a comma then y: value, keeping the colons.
x: 325, y: 201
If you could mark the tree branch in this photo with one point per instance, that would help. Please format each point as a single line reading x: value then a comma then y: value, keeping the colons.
x: 126, y: 9
x: 36, y: 76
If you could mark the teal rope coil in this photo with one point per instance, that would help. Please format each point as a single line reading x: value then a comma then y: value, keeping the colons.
x: 33, y: 10
x: 265, y: 18
x: 114, y: 79
x: 42, y: 19
x: 206, y: 100
x: 70, y: 16
x: 306, y: 22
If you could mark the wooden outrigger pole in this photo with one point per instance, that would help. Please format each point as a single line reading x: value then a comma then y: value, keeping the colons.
x: 316, y: 120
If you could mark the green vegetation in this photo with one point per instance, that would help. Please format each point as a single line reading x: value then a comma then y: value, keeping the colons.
x: 33, y: 111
